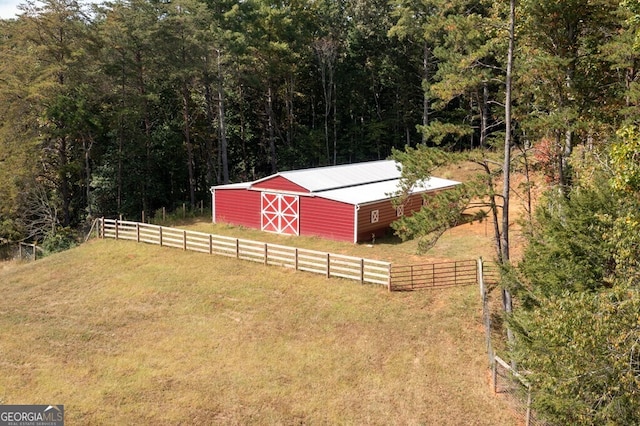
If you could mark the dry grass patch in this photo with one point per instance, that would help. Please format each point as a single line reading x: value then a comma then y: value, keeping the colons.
x: 464, y: 242
x: 126, y: 333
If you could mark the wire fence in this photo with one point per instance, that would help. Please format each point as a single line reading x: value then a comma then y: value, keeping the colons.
x: 20, y: 251
x: 506, y: 380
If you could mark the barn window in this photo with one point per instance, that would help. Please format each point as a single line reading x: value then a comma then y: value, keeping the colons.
x: 400, y: 210
x: 375, y: 216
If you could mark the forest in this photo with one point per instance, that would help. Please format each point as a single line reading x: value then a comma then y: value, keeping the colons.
x: 131, y: 106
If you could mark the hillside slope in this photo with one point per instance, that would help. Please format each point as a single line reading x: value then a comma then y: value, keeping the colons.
x: 126, y: 333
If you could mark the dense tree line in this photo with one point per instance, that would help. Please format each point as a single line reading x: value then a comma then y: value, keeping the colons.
x: 133, y: 105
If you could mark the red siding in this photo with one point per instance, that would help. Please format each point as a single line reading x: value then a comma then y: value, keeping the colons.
x: 278, y: 183
x: 238, y: 207
x: 326, y: 218
x: 318, y: 216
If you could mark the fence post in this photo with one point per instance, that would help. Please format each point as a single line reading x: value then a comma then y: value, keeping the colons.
x: 296, y: 260
x: 328, y: 265
x: 361, y: 270
x: 266, y: 254
x: 494, y: 375
x: 101, y: 228
x: 210, y: 244
x: 35, y: 248
x: 486, y: 315
x: 480, y: 277
x: 433, y: 274
x: 142, y: 217
x: 160, y: 234
x: 184, y: 240
x: 237, y: 248
x: 527, y: 420
x: 411, y: 276
x: 137, y: 232
x: 389, y: 278
x: 116, y: 229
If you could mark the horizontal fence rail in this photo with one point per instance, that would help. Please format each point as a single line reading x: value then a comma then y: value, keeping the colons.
x: 330, y: 265
x: 433, y: 275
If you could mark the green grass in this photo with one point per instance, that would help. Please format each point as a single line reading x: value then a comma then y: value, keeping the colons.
x: 126, y: 333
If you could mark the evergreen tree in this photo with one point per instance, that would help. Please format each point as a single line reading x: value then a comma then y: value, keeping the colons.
x: 581, y: 353
x: 567, y: 247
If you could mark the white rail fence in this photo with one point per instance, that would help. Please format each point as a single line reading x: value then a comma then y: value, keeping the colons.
x: 330, y: 265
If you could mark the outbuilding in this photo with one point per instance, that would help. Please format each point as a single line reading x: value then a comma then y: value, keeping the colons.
x: 349, y: 202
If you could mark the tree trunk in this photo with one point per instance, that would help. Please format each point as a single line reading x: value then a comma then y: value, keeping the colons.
x: 63, y: 184
x: 426, y: 104
x: 326, y: 50
x: 484, y: 115
x: 86, y: 146
x: 493, y: 205
x: 506, y: 168
x: 289, y: 101
x: 208, y: 98
x: 335, y: 126
x: 121, y: 132
x: 147, y: 129
x: 223, y: 127
x: 271, y: 130
x: 187, y: 140
x: 243, y: 136
x: 565, y: 173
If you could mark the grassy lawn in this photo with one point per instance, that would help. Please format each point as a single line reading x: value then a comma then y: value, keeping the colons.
x: 464, y: 242
x: 126, y: 333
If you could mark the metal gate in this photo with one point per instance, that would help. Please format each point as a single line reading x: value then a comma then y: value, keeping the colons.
x: 280, y: 213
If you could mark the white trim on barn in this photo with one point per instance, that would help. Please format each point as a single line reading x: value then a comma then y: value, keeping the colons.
x: 213, y: 205
x: 355, y: 222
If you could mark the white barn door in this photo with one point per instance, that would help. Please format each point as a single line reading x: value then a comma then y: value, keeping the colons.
x: 280, y: 213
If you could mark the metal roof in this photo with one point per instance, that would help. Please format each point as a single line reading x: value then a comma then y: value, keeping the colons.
x: 333, y: 177
x: 355, y: 184
x: 378, y: 191
x: 239, y: 185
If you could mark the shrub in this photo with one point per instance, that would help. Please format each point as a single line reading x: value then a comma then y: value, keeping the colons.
x: 59, y: 240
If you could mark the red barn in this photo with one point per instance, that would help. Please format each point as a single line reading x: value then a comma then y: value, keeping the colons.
x: 347, y: 203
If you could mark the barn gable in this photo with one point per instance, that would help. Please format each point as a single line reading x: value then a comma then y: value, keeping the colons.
x: 347, y: 175
x: 278, y: 183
